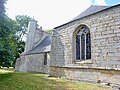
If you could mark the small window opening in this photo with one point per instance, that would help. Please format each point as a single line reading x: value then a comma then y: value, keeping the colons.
x: 45, y: 59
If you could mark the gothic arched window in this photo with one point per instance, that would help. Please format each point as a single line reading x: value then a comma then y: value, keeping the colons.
x: 83, y: 44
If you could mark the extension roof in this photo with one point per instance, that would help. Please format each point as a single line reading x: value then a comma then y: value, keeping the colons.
x: 91, y: 10
x: 42, y: 47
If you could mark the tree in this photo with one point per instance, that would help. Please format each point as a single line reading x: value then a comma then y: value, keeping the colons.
x: 23, y: 21
x: 7, y: 29
x: 11, y: 35
x: 2, y: 9
x: 4, y: 33
x: 49, y: 31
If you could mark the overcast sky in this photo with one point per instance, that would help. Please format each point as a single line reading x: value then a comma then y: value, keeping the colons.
x: 52, y: 13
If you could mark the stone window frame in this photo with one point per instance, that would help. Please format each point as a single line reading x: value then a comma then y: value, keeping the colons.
x: 74, y: 45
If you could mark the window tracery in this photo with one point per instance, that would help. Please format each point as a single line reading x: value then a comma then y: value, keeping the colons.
x: 83, y: 44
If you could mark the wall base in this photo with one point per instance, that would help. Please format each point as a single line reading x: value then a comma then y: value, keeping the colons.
x: 87, y: 74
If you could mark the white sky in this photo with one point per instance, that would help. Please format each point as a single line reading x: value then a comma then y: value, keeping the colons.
x: 50, y: 13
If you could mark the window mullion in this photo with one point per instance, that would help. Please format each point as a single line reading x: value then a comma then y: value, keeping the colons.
x: 85, y: 46
x: 80, y: 48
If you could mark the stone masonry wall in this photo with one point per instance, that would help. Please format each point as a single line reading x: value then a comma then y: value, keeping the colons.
x: 104, y: 64
x: 105, y: 40
x: 91, y: 75
x: 32, y: 63
x: 57, y: 51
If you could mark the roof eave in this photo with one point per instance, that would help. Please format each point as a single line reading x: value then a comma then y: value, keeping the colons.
x: 35, y: 53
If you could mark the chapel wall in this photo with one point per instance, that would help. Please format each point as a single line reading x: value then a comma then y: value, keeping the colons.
x: 33, y: 63
x: 57, y: 51
x: 90, y: 75
x: 105, y: 40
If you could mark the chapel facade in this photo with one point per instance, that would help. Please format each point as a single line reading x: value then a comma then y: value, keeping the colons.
x: 86, y: 49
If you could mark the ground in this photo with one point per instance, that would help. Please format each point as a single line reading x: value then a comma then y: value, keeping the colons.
x: 10, y: 80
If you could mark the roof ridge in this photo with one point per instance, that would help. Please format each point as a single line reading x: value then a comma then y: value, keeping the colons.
x: 85, y: 13
x: 89, y: 10
x: 101, y: 5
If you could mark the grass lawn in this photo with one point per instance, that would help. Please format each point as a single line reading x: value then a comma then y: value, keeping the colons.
x: 10, y: 80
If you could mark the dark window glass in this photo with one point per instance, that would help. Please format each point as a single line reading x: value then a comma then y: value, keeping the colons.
x: 78, y: 47
x: 83, y: 44
x: 45, y: 59
x: 88, y: 46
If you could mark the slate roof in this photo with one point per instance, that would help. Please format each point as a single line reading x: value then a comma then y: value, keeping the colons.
x: 44, y: 46
x: 91, y: 10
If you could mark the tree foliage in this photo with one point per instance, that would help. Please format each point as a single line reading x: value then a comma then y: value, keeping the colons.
x: 4, y: 34
x: 23, y: 21
x: 11, y: 39
x: 49, y: 31
x: 2, y: 9
x: 7, y: 30
x: 11, y: 36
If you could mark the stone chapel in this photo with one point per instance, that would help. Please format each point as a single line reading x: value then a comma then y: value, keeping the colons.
x: 86, y: 48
